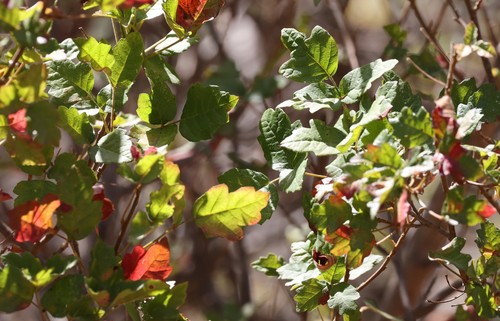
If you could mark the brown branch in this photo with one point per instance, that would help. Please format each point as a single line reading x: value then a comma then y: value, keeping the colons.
x: 129, y: 215
x: 17, y: 55
x: 449, y: 80
x: 425, y: 73
x: 387, y: 258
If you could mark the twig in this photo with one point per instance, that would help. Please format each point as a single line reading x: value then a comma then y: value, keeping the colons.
x: 346, y: 34
x: 15, y: 59
x: 76, y: 251
x: 490, y: 199
x: 387, y: 259
x: 451, y: 71
x: 473, y: 16
x: 456, y: 13
x: 128, y: 216
x: 425, y: 73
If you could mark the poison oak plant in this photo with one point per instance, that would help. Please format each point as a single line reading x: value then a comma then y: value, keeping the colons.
x: 384, y: 150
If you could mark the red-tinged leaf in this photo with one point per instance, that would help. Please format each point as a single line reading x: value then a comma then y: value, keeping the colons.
x: 18, y: 121
x: 323, y: 189
x: 127, y: 4
x: 486, y: 211
x: 4, y: 196
x: 136, y: 153
x: 107, y: 205
x: 403, y: 208
x: 33, y: 219
x: 152, y: 263
x: 191, y: 14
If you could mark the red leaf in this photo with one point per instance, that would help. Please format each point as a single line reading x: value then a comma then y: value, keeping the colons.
x: 487, y: 211
x: 148, y: 264
x: 33, y: 219
x: 127, y: 4
x: 4, y: 196
x: 403, y: 208
x: 136, y: 153
x: 191, y: 14
x: 107, y: 205
x: 18, y: 121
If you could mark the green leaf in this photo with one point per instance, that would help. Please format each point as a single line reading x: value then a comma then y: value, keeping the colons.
x: 81, y: 220
x: 158, y: 107
x: 76, y: 125
x: 320, y: 139
x: 314, y: 97
x: 343, y: 297
x: 33, y: 270
x: 368, y: 264
x: 128, y: 60
x: 138, y: 291
x: 98, y: 54
x: 236, y: 178
x: 33, y: 190
x: 330, y: 215
x: 64, y: 293
x: 269, y: 264
x: 74, y: 179
x: 465, y: 210
x: 70, y: 83
x: 488, y: 239
x: 300, y: 266
x: 313, y: 59
x: 205, y: 111
x: 358, y: 81
x: 30, y: 156
x: 140, y: 227
x: 220, y: 213
x: 110, y: 98
x: 15, y: 291
x: 470, y: 35
x: 173, y: 45
x: 165, y: 306
x: 112, y: 148
x: 483, y: 299
x: 43, y: 120
x: 309, y: 294
x: 275, y: 127
x: 450, y: 254
x: 401, y: 93
x: 413, y: 129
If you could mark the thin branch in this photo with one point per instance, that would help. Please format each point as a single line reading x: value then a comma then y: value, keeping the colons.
x: 387, y: 259
x: 12, y: 65
x: 473, y: 16
x: 439, y: 82
x: 130, y: 210
x: 451, y: 71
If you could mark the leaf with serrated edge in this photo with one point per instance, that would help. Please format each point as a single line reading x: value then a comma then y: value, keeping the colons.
x: 220, y: 213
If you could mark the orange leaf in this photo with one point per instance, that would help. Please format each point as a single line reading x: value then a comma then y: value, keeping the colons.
x: 148, y: 264
x: 32, y: 219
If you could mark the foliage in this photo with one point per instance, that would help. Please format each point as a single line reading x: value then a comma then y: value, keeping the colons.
x: 384, y: 150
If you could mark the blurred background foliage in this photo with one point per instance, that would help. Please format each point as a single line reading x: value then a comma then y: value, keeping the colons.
x: 241, y: 52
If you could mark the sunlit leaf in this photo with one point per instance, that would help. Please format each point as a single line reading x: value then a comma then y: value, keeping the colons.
x: 221, y: 213
x: 152, y: 263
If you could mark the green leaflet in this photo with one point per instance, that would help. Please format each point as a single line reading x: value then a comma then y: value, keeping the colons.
x: 112, y: 148
x: 313, y: 59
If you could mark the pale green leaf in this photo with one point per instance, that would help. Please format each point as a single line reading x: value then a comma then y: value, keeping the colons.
x: 112, y: 148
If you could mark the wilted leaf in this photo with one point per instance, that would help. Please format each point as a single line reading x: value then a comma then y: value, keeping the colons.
x: 220, y: 213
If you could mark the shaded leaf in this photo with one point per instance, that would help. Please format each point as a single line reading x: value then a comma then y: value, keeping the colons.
x: 451, y: 254
x: 15, y: 291
x: 309, y: 294
x: 206, y: 109
x: 112, y: 148
x: 343, y: 297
